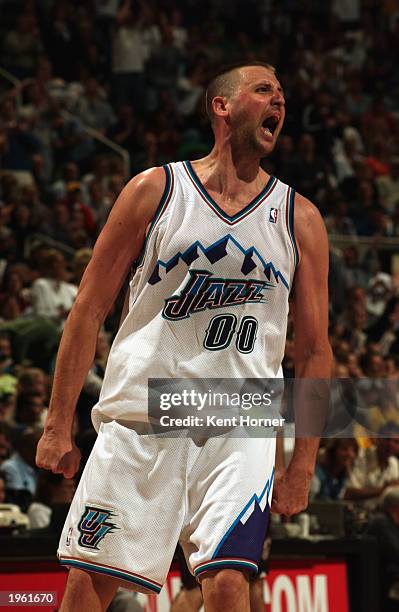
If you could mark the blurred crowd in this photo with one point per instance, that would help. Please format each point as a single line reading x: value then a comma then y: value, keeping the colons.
x: 136, y: 73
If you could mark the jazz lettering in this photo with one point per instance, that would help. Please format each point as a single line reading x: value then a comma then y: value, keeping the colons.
x: 205, y: 292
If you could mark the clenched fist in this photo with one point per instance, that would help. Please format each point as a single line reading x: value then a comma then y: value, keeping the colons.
x: 58, y: 453
x: 291, y: 492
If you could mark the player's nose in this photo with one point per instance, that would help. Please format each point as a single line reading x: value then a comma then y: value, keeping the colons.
x: 278, y: 98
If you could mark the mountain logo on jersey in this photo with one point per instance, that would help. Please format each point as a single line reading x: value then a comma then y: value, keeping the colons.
x: 273, y: 216
x: 94, y: 526
x: 251, y: 259
x: 203, y: 291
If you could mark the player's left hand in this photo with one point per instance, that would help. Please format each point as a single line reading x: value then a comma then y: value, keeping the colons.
x: 291, y: 492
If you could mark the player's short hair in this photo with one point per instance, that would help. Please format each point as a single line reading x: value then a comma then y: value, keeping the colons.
x: 223, y: 81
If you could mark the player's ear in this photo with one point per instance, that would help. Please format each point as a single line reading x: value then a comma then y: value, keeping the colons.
x: 219, y: 105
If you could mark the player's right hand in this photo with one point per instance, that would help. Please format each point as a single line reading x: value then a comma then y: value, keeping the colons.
x: 58, y: 454
x: 291, y: 492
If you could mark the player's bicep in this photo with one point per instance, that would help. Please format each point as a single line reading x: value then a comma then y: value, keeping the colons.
x: 121, y: 241
x: 310, y: 295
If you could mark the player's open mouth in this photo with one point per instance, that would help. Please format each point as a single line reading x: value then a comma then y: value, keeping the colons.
x: 269, y: 126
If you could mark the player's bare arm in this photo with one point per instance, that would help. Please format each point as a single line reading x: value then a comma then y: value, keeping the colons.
x: 117, y: 247
x: 313, y: 355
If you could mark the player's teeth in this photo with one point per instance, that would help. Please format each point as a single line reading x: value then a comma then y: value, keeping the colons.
x: 267, y: 131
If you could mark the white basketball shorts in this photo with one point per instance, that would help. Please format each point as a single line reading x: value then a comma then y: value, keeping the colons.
x: 139, y: 495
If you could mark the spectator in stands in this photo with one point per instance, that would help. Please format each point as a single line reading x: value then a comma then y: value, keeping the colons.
x: 375, y: 469
x: 100, y: 203
x: 33, y: 381
x: 80, y: 262
x: 20, y: 147
x: 20, y: 470
x: 22, y: 47
x: 366, y: 197
x: 23, y: 225
x: 357, y: 100
x: 386, y: 329
x: 71, y: 142
x: 319, y: 120
x: 93, y: 53
x: 135, y: 37
x: 128, y: 132
x: 333, y: 467
x: 357, y: 329
x: 7, y: 402
x: 372, y: 363
x: 354, y: 273
x: 2, y: 488
x: 51, y: 503
x: 70, y: 174
x: 36, y: 110
x: 30, y: 196
x: 30, y: 411
x: 385, y: 527
x: 75, y: 204
x: 379, y: 291
x: 163, y: 68
x: 115, y: 184
x: 60, y: 38
x: 58, y: 225
x: 100, y: 171
x: 381, y: 122
x: 93, y: 108
x: 338, y: 221
x: 347, y: 155
x: 6, y: 433
x: 93, y: 383
x: 8, y: 380
x: 388, y: 187
x: 6, y: 359
x: 309, y: 173
x: 52, y: 295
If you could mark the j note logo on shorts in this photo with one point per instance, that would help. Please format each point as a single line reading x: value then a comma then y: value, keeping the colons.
x: 94, y: 526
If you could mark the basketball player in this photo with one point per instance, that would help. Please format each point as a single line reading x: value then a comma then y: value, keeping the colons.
x: 219, y: 246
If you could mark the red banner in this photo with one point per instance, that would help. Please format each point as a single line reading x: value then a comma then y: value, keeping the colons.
x: 292, y: 585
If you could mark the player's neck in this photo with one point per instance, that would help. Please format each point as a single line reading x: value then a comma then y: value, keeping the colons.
x: 230, y: 175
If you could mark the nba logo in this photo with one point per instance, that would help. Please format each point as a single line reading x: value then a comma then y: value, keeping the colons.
x: 273, y: 215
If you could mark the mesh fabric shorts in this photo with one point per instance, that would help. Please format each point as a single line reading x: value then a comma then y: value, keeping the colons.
x: 139, y: 495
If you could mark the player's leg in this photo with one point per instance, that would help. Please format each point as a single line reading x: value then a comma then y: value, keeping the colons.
x: 189, y: 599
x: 230, y: 488
x: 226, y: 591
x: 257, y: 582
x: 88, y: 591
x: 256, y: 595
x: 114, y: 527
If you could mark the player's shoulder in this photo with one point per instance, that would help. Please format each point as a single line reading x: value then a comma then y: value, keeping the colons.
x: 306, y: 212
x: 310, y: 231
x: 142, y: 195
x: 149, y: 182
x: 308, y: 222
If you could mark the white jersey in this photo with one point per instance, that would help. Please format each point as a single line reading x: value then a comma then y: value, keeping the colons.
x: 209, y: 298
